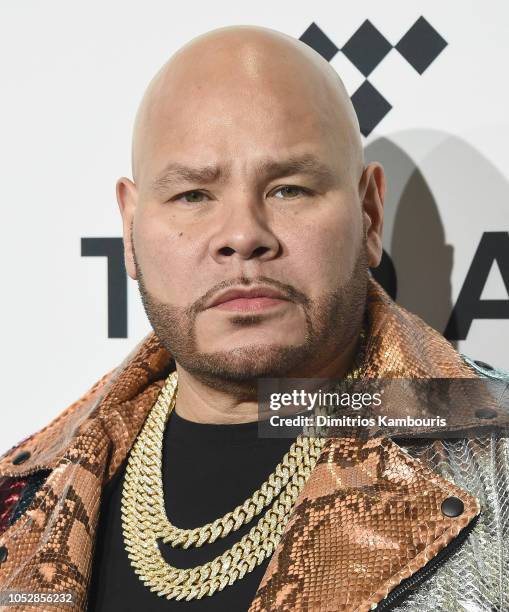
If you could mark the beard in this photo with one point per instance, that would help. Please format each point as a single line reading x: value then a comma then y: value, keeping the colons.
x: 333, y: 321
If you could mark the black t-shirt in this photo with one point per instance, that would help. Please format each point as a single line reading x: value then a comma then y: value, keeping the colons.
x: 208, y: 470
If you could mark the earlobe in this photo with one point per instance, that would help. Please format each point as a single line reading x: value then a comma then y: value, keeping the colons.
x: 127, y: 198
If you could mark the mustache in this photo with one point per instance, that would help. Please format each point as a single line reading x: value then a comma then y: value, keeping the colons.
x: 290, y: 292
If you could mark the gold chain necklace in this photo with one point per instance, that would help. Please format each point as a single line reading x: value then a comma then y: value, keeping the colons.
x: 144, y: 519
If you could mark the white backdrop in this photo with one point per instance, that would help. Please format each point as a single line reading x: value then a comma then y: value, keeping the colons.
x: 72, y: 75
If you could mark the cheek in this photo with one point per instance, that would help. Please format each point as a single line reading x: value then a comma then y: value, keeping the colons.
x: 324, y: 249
x: 165, y: 256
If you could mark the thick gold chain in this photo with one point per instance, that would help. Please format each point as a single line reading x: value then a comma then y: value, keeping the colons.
x: 144, y: 519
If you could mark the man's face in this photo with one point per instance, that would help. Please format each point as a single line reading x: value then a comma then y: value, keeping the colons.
x: 283, y: 213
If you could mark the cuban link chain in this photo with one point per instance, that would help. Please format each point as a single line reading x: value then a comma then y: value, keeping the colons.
x: 144, y: 519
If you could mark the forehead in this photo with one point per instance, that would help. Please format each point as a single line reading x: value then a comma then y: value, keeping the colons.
x: 202, y: 123
x: 238, y: 142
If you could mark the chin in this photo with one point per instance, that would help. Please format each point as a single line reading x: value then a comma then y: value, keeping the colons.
x: 246, y: 363
x: 269, y: 343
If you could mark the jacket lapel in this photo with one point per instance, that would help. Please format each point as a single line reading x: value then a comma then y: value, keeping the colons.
x: 369, y: 517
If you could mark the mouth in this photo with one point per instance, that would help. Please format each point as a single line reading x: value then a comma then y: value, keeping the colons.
x: 250, y: 304
x: 249, y: 300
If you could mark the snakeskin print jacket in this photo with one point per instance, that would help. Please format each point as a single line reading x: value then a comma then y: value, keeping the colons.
x: 379, y: 524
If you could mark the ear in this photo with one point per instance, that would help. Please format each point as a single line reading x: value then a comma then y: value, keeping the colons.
x: 372, y: 194
x: 127, y: 197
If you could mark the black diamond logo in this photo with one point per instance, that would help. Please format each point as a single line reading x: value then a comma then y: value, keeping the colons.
x: 366, y: 48
x: 317, y: 40
x: 370, y: 106
x: 421, y: 45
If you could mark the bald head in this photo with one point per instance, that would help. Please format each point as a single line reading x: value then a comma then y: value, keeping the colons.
x: 233, y: 74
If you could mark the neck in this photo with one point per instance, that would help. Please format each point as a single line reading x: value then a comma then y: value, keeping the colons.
x: 200, y: 403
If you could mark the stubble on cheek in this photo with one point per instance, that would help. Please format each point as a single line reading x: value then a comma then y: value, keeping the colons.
x: 174, y: 325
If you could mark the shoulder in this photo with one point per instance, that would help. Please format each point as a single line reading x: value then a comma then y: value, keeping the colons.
x: 26, y: 465
x: 19, y: 457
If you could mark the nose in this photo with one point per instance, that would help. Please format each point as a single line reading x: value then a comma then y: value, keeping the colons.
x: 244, y: 234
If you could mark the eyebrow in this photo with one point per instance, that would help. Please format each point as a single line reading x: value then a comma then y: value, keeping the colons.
x: 304, y: 164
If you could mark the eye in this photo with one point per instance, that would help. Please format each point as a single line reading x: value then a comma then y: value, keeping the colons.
x: 191, y: 196
x: 291, y: 192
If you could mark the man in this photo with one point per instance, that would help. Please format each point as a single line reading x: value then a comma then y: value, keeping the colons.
x: 250, y: 225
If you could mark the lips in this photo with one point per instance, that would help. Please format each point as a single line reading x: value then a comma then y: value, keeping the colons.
x: 247, y: 294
